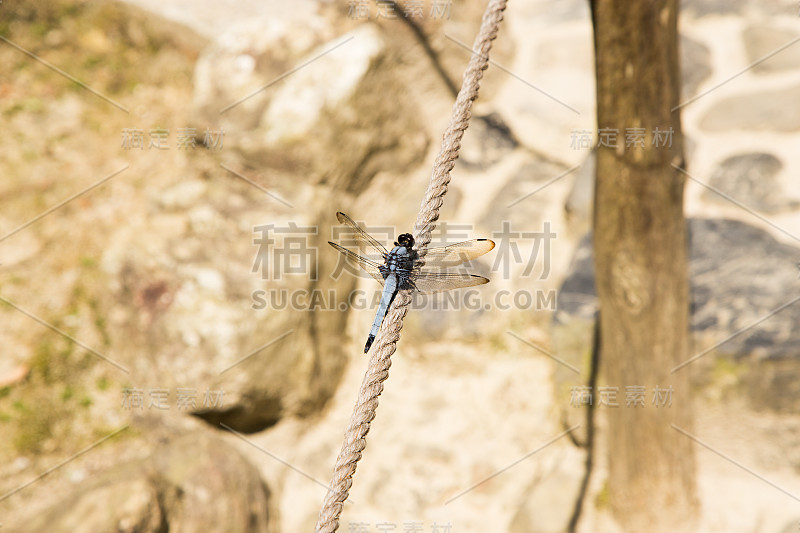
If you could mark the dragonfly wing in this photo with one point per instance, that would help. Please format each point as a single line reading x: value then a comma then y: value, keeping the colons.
x: 444, y: 281
x: 368, y: 245
x: 456, y: 254
x: 371, y: 267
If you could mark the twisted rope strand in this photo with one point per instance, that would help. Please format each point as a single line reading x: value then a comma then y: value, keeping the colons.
x: 459, y: 120
x: 385, y: 345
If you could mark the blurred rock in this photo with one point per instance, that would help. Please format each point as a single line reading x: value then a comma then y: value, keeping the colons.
x: 550, y: 501
x: 236, y: 69
x: 760, y: 111
x: 332, y: 110
x: 554, y: 93
x: 25, y: 246
x: 761, y: 40
x: 184, y: 316
x: 193, y: 483
x: 184, y: 194
x: 298, y: 104
x: 486, y: 142
x: 206, y: 18
x: 695, y: 65
x: 739, y: 274
x: 791, y: 526
x: 343, y: 134
x: 751, y: 178
x: 526, y: 196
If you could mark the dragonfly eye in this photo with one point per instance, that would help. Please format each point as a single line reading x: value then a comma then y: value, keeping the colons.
x: 405, y: 240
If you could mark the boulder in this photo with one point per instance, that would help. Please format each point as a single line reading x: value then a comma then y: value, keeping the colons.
x: 753, y: 177
x: 327, y: 107
x: 184, y: 313
x: 193, y: 483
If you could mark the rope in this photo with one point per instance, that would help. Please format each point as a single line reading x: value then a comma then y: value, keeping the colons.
x: 385, y: 345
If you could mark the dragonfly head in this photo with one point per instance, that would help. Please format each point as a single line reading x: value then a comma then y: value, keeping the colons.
x: 405, y: 240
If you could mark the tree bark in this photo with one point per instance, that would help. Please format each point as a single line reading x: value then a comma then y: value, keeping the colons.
x: 640, y: 245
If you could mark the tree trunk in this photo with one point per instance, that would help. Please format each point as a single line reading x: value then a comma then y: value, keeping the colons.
x: 640, y: 245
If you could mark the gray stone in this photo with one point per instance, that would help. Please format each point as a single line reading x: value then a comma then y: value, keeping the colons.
x: 739, y: 274
x: 695, y: 65
x: 752, y: 179
x: 762, y: 40
x: 762, y: 111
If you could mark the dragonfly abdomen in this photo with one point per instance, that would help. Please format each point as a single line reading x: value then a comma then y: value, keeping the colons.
x: 389, y: 290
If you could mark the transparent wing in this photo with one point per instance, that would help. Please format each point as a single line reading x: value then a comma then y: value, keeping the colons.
x: 456, y: 254
x: 371, y: 267
x: 367, y: 244
x: 444, y: 281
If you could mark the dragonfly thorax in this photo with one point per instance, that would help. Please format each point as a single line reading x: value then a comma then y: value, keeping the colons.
x: 400, y: 260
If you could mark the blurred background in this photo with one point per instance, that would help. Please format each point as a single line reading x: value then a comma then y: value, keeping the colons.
x: 181, y: 349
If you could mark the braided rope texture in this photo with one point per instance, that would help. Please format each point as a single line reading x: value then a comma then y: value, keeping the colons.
x: 385, y: 345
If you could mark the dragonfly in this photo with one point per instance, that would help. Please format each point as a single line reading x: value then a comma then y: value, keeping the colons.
x: 402, y: 267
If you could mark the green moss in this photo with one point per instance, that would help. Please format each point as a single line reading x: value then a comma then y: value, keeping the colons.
x: 67, y: 393
x: 112, y: 65
x: 497, y: 341
x: 34, y: 422
x: 601, y: 500
x: 112, y: 47
x: 34, y: 429
x: 30, y: 105
x: 49, y: 363
x: 45, y: 406
x: 725, y: 367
